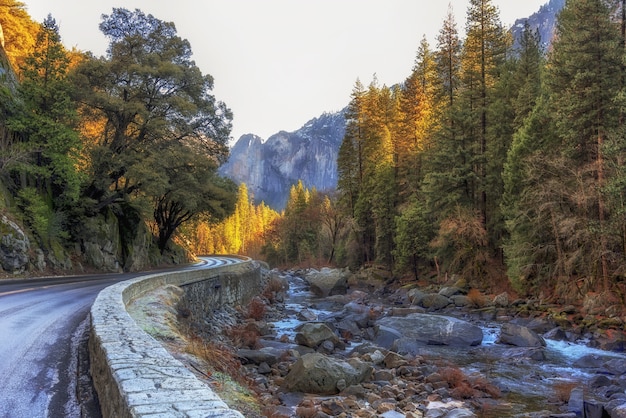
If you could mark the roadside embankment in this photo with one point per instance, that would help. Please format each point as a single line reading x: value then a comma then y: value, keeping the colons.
x: 133, y: 374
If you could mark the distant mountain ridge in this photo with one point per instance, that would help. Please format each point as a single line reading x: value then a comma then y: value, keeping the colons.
x: 544, y: 21
x: 270, y: 168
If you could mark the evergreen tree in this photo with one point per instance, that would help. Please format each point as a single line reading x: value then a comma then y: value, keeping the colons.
x: 584, y: 69
x: 46, y: 122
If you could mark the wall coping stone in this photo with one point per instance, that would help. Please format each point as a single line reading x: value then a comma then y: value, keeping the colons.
x: 133, y: 373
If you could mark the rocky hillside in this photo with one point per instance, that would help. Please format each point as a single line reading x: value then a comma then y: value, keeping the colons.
x: 270, y: 168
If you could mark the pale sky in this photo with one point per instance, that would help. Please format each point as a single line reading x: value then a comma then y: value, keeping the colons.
x: 279, y: 63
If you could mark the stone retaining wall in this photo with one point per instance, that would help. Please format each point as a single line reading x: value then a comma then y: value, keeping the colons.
x: 132, y: 373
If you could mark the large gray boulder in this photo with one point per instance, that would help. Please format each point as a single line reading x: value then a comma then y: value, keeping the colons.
x: 320, y: 374
x: 314, y: 334
x: 327, y: 282
x: 520, y: 336
x: 14, y: 247
x: 430, y: 330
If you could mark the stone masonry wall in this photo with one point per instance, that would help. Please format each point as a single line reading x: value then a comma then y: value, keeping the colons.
x: 132, y: 373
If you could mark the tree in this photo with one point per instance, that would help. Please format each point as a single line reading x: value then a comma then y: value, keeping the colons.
x: 483, y: 52
x: 147, y: 99
x: 583, y: 68
x: 45, y: 121
x: 19, y: 31
x: 193, y: 188
x: 148, y: 92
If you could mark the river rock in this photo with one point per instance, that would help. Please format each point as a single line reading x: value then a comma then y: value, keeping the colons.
x: 449, y: 291
x: 520, y: 336
x: 501, y: 300
x: 425, y: 329
x: 434, y: 302
x: 306, y: 315
x: 313, y: 334
x: 267, y: 355
x: 320, y: 374
x: 327, y: 282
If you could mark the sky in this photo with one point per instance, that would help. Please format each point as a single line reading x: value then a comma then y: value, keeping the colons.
x: 279, y: 63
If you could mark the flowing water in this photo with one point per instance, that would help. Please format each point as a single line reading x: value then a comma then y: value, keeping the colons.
x: 527, y: 385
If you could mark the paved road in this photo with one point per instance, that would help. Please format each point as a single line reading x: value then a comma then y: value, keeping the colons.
x: 43, y: 323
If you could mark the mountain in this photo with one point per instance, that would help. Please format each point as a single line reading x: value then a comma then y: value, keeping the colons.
x: 270, y: 168
x: 543, y: 21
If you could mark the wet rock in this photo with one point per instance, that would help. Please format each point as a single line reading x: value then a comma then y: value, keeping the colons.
x: 264, y: 355
x: 317, y: 373
x: 576, y: 402
x: 449, y: 291
x: 520, y: 336
x: 616, y: 366
x: 434, y: 302
x: 589, y: 361
x: 306, y: 315
x: 415, y: 296
x: 501, y: 300
x: 599, y: 381
x: 556, y: 334
x: 394, y: 360
x: 313, y: 334
x: 593, y: 410
x: 461, y: 301
x: 616, y: 409
x: 427, y: 329
x: 327, y: 282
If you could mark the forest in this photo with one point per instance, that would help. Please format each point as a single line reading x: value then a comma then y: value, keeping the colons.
x: 494, y: 160
x: 503, y: 165
x: 125, y: 145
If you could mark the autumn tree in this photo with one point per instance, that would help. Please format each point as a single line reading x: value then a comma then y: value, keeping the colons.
x: 19, y: 32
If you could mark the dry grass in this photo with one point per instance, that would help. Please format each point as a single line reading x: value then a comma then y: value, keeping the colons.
x: 464, y: 387
x: 562, y: 390
x: 256, y: 309
x: 273, y: 287
x: 242, y: 336
x: 476, y: 298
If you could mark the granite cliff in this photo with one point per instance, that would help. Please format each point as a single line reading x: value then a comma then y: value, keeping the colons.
x: 269, y: 168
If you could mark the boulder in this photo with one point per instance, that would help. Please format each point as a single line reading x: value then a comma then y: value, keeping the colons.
x: 520, y: 336
x: 502, y: 300
x: 266, y: 355
x: 313, y: 334
x: 427, y: 329
x: 415, y: 296
x: 327, y: 282
x: 320, y: 374
x: 449, y: 291
x: 434, y: 302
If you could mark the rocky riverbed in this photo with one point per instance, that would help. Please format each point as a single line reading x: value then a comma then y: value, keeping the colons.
x: 330, y: 343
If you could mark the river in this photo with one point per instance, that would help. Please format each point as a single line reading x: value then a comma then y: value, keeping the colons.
x: 527, y: 385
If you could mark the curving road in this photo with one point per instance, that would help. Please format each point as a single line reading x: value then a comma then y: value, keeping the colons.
x: 43, y: 328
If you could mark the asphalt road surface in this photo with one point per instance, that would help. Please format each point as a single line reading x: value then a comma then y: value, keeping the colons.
x: 43, y: 328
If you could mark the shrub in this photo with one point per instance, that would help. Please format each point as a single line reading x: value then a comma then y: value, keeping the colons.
x: 256, y: 309
x: 476, y: 298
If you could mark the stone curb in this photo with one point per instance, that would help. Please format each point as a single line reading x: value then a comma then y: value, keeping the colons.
x: 132, y: 373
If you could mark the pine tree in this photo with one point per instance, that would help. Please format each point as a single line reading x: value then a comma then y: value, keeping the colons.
x: 584, y: 67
